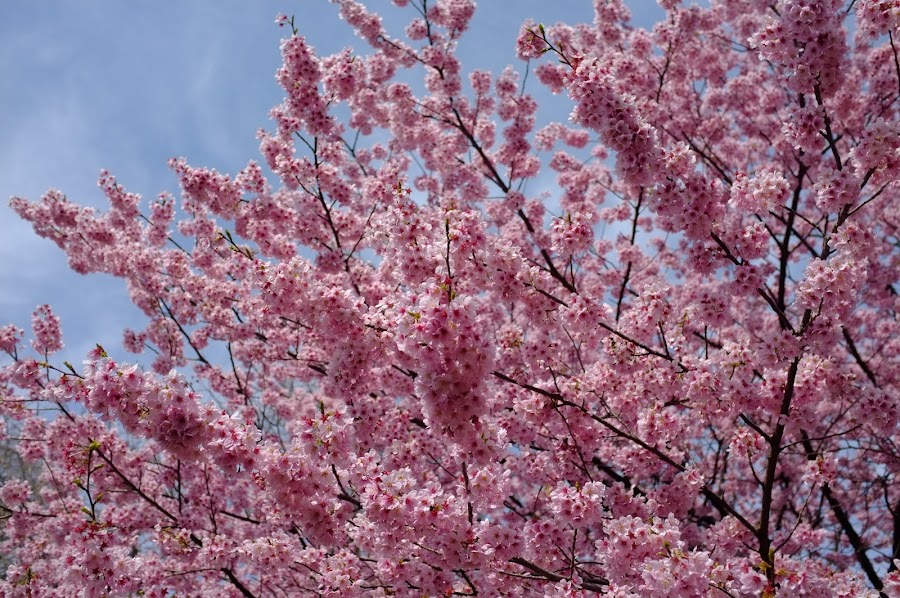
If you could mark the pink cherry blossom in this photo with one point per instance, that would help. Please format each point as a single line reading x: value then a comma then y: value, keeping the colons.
x: 428, y: 347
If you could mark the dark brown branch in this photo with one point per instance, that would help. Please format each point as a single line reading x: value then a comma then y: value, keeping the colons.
x: 896, y: 60
x: 828, y: 134
x: 851, y: 347
x: 775, y: 448
x: 784, y: 249
x: 859, y: 549
x: 237, y: 583
x: 550, y: 576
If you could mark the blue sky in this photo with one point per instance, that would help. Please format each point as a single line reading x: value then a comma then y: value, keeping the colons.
x: 126, y: 85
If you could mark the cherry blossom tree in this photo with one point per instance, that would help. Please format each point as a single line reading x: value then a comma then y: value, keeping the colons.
x: 378, y: 365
